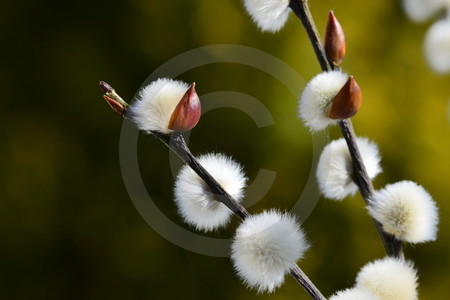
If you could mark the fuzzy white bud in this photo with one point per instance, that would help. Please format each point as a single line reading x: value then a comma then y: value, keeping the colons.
x: 269, y: 15
x: 315, y: 101
x: 335, y: 169
x: 266, y: 246
x: 354, y: 294
x: 196, y: 203
x: 421, y: 10
x: 389, y: 278
x: 407, y: 211
x: 437, y: 46
x: 155, y: 104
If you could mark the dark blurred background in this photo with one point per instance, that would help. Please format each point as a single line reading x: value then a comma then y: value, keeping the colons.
x: 68, y: 229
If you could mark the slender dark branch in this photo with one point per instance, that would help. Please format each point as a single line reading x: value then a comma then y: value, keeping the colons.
x: 392, y: 246
x: 301, y: 9
x: 307, y: 284
x: 178, y: 145
x: 361, y: 177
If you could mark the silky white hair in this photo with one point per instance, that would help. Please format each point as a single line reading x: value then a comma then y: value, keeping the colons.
x: 437, y: 46
x: 266, y: 246
x: 196, y: 204
x: 155, y: 104
x: 354, y: 294
x: 389, y: 278
x: 421, y: 10
x: 407, y: 211
x: 269, y: 15
x: 335, y: 169
x: 315, y: 101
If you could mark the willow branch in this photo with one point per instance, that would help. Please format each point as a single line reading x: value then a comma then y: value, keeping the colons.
x: 301, y: 10
x: 392, y: 246
x: 177, y: 144
x: 307, y: 284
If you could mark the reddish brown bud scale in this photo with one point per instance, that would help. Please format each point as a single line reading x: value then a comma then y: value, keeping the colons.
x: 106, y: 88
x: 347, y: 101
x: 116, y: 106
x: 187, y: 113
x: 335, y: 45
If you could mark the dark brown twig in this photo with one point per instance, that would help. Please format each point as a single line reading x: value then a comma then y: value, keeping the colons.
x: 177, y: 144
x: 307, y: 284
x: 392, y: 246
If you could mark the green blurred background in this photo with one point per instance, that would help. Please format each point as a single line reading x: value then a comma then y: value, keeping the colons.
x: 68, y: 229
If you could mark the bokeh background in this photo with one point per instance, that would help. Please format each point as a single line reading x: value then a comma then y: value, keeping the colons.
x: 68, y: 229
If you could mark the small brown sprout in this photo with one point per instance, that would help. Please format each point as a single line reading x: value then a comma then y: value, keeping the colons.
x: 335, y: 45
x: 347, y: 101
x: 187, y: 113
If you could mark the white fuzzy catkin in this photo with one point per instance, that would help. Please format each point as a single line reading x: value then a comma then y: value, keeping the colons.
x: 421, y: 10
x: 335, y: 170
x: 155, y: 104
x: 354, y: 294
x: 266, y: 246
x: 196, y: 203
x: 437, y: 46
x: 389, y: 279
x: 269, y: 15
x: 315, y: 101
x: 407, y: 211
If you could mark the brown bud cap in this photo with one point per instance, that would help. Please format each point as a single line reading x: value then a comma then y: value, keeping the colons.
x: 116, y: 106
x: 347, y: 101
x: 335, y: 46
x: 113, y: 99
x: 106, y: 88
x: 187, y: 113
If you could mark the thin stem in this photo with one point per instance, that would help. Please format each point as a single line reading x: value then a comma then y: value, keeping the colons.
x: 392, y: 246
x: 307, y: 284
x: 301, y: 9
x: 177, y: 144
